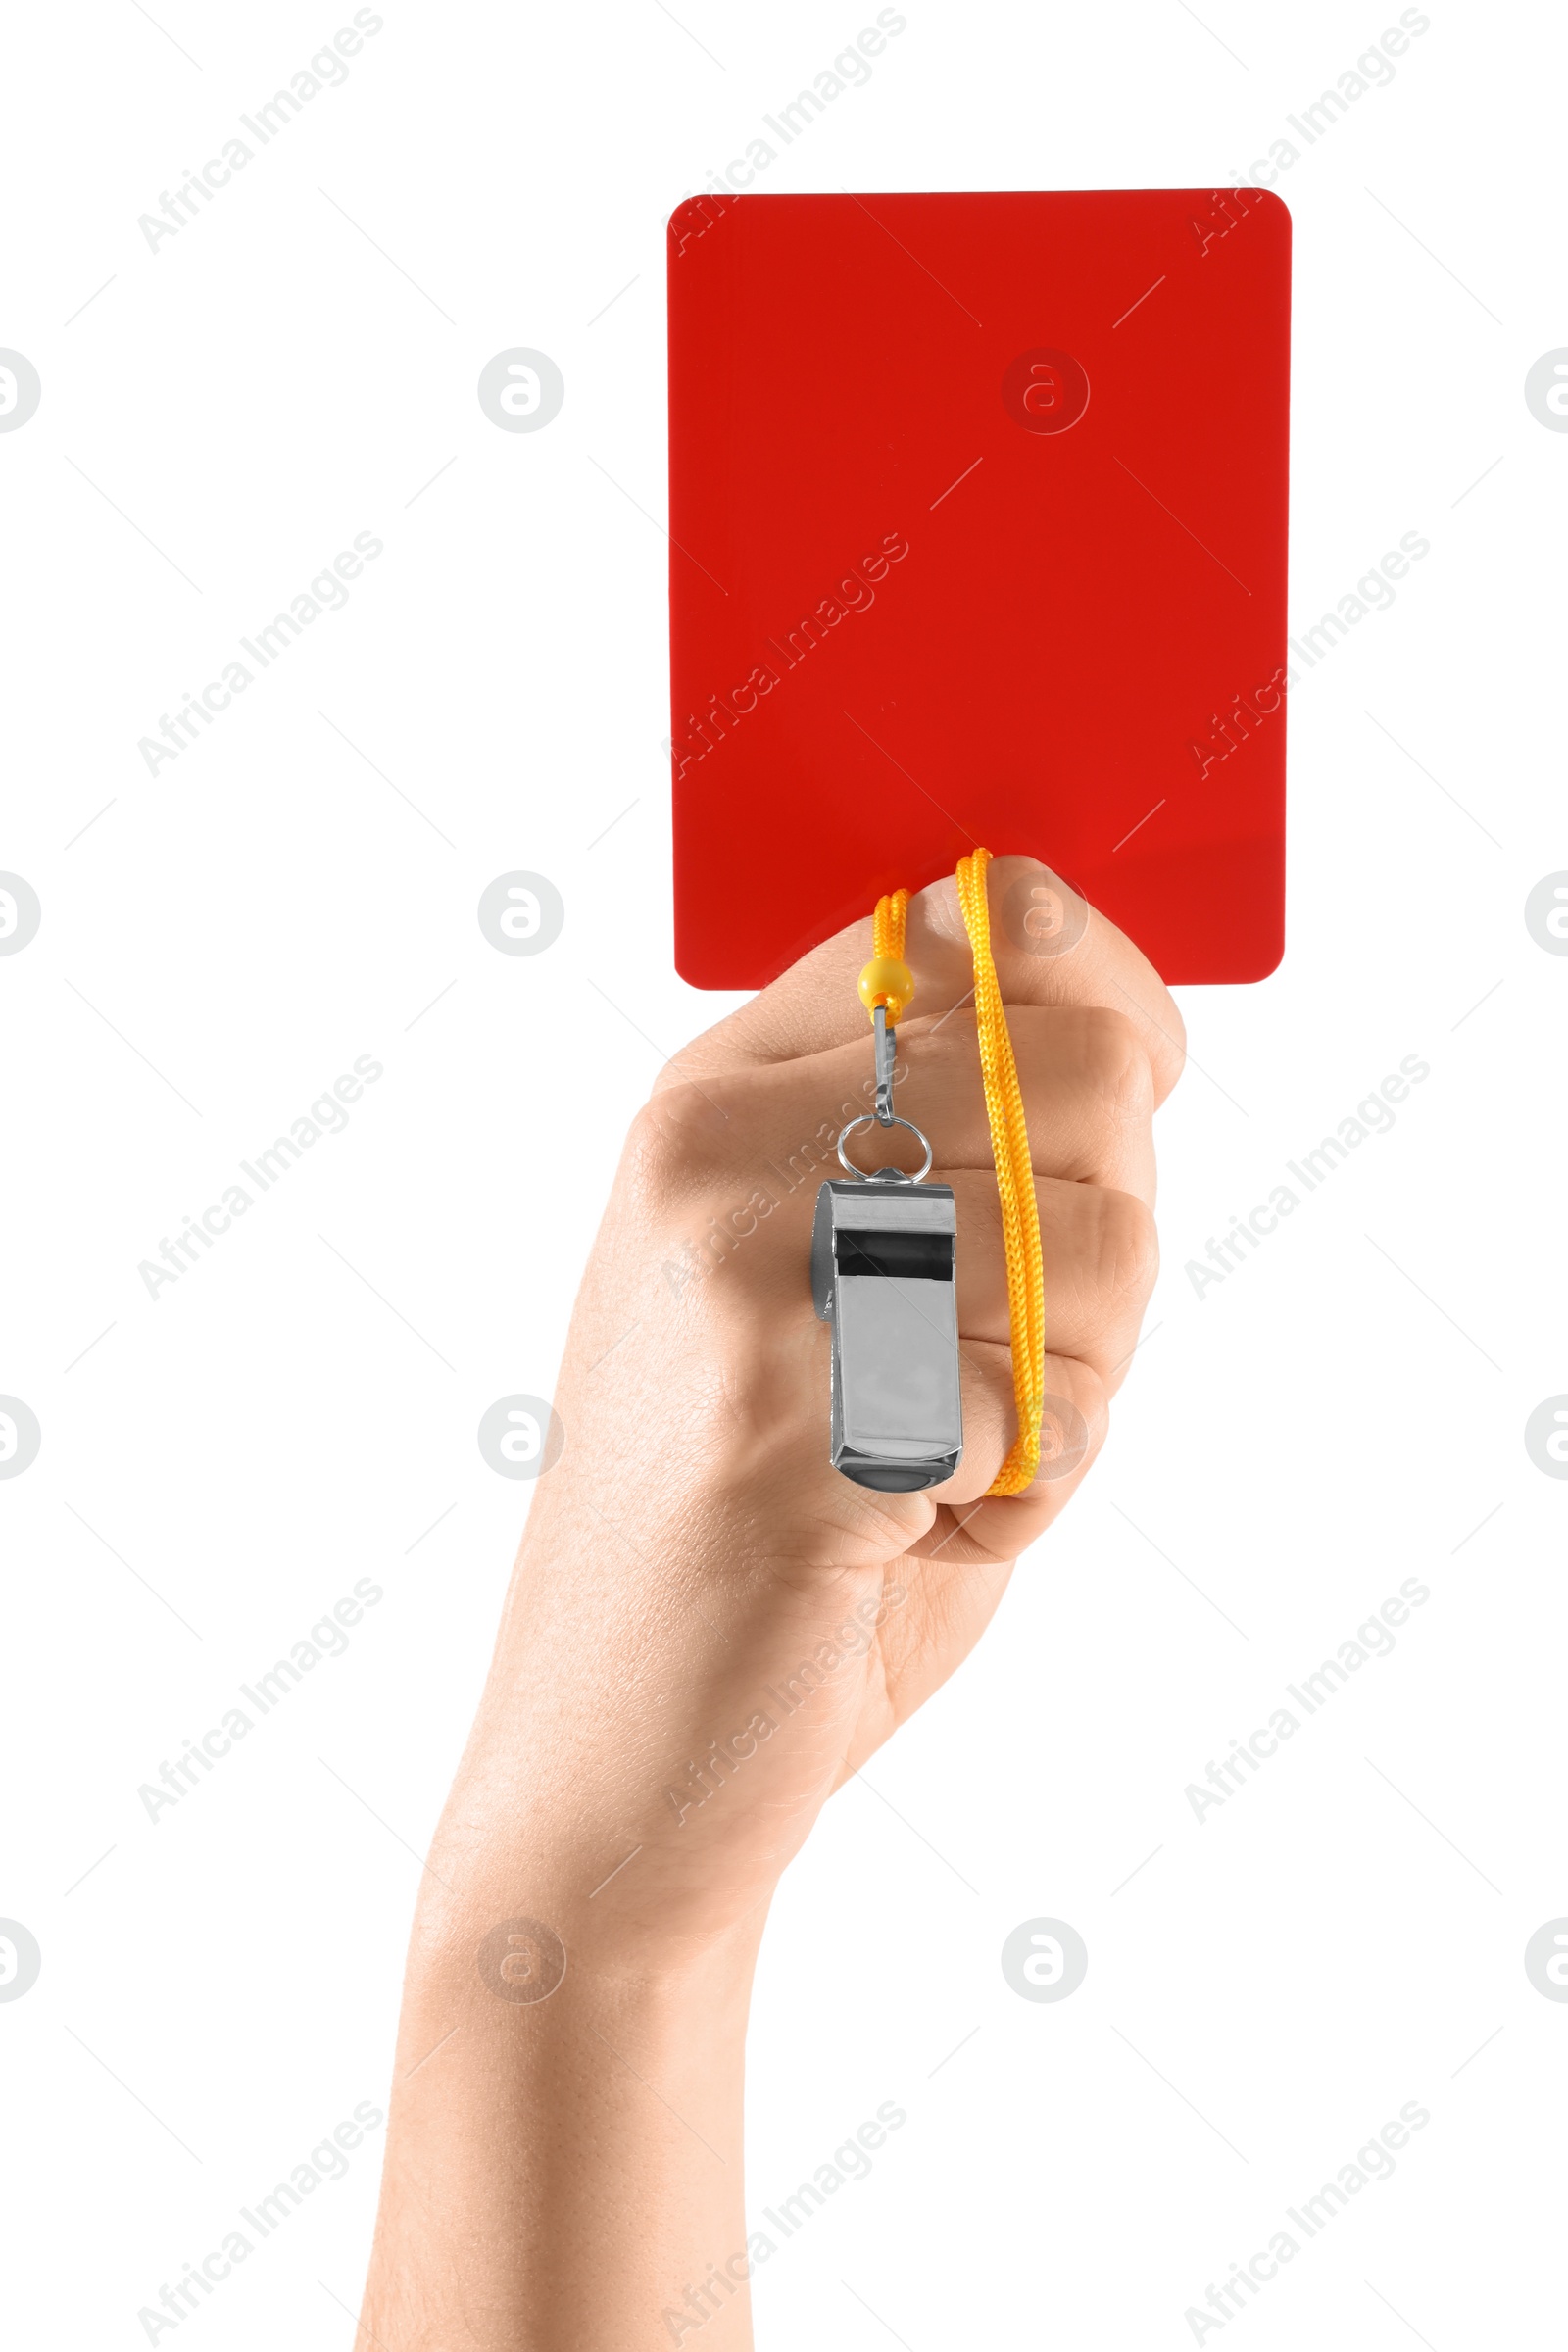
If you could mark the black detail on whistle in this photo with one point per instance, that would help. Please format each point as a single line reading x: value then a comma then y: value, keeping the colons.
x: 920, y: 1256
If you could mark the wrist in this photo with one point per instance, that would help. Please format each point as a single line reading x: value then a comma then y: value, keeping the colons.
x: 518, y: 1908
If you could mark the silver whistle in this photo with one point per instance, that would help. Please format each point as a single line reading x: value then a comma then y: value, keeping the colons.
x: 883, y: 1275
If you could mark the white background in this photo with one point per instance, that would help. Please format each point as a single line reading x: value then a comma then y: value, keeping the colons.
x: 223, y: 1462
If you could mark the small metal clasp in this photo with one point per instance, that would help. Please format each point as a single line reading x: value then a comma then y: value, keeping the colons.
x: 886, y: 1052
x: 884, y: 1115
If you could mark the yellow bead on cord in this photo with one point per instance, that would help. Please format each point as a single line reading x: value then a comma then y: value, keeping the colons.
x: 887, y: 979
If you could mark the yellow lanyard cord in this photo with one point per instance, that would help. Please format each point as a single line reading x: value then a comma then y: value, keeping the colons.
x: 886, y: 926
x: 1015, y: 1183
x: 887, y: 981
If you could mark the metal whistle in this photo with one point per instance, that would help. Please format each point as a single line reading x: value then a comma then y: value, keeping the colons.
x: 883, y: 1275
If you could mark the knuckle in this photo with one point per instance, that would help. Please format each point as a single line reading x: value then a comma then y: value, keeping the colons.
x: 657, y: 1148
x: 1117, y: 1064
x: 1126, y: 1245
x: 1087, y: 1391
x: 1074, y: 1420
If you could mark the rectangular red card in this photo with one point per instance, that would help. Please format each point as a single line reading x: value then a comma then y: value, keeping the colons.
x: 978, y: 534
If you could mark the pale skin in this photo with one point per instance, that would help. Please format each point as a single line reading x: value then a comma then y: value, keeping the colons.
x: 564, y: 2173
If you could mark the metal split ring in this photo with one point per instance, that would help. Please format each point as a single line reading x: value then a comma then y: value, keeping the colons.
x: 870, y: 1119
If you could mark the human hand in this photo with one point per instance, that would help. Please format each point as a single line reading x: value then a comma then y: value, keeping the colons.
x: 709, y: 1628
x: 715, y: 1626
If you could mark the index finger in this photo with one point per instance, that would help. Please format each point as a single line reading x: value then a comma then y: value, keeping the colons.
x: 1048, y: 945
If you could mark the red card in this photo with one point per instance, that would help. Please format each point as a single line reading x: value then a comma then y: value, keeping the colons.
x: 978, y: 534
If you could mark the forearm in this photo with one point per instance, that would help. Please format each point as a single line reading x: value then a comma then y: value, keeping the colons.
x: 561, y: 2172
x: 563, y: 2164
